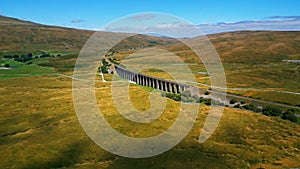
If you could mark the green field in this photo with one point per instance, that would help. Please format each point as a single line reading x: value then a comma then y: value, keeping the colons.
x: 18, y: 69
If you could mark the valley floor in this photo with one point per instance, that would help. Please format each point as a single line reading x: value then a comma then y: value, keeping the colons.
x: 39, y: 129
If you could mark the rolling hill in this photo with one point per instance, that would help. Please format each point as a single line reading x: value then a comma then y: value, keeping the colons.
x: 24, y: 36
x: 18, y: 35
x: 257, y: 46
x: 39, y: 127
x: 238, y: 47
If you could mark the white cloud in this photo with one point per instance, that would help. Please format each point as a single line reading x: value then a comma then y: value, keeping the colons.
x: 287, y: 23
x: 142, y: 17
x: 98, y: 29
x: 278, y: 25
x: 77, y: 21
x: 167, y: 26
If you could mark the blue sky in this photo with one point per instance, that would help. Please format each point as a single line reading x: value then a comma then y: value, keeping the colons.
x: 95, y: 14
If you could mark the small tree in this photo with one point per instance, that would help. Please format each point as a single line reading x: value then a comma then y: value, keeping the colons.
x: 23, y: 58
x: 6, y: 65
x: 103, y: 69
x: 289, y: 115
x: 200, y: 100
x: 207, y: 102
x: 232, y: 101
x: 29, y: 55
x: 8, y: 57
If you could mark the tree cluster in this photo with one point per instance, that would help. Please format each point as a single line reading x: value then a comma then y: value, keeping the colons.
x: 104, y: 67
x: 186, y: 97
x: 268, y: 110
x: 27, y: 57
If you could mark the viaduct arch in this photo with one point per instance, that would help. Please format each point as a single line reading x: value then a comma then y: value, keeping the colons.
x: 153, y: 82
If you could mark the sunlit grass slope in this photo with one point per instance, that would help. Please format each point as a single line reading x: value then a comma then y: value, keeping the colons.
x: 39, y: 129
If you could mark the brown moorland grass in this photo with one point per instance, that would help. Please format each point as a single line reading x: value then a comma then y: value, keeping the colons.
x: 39, y: 129
x: 18, y: 36
x: 251, y: 59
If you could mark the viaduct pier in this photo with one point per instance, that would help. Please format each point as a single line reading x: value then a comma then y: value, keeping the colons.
x: 153, y: 82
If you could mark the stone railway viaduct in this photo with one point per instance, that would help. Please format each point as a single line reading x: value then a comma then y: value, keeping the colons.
x: 174, y: 87
x: 156, y: 83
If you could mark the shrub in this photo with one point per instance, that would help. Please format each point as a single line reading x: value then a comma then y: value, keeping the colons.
x: 271, y: 111
x: 251, y: 107
x: 232, y: 101
x: 29, y: 55
x: 186, y: 96
x: 188, y: 99
x: 8, y: 57
x: 200, y: 100
x: 173, y: 96
x: 6, y: 65
x: 289, y: 115
x: 243, y: 102
x: 176, y: 97
x: 207, y: 102
x: 206, y: 92
x: 103, y: 69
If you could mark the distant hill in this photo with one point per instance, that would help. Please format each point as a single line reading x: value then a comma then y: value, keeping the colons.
x: 38, y: 110
x: 243, y: 46
x: 22, y: 36
x: 19, y: 35
x: 257, y: 46
x: 249, y: 46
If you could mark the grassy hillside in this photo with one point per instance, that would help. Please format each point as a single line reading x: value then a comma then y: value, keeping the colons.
x: 251, y: 59
x: 254, y: 60
x: 247, y: 58
x: 257, y: 46
x: 23, y: 36
x: 18, y: 35
x: 39, y: 129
